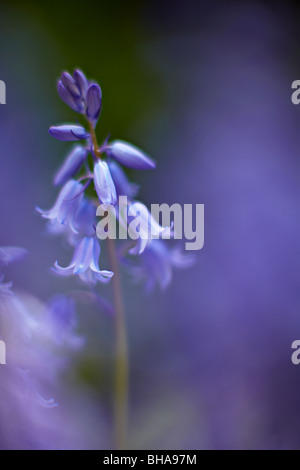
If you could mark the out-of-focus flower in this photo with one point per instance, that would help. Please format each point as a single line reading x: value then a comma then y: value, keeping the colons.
x: 155, y: 265
x: 85, y: 263
x: 37, y: 338
x: 9, y: 254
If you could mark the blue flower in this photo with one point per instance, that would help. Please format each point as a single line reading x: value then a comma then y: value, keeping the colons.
x: 129, y: 155
x: 142, y: 226
x: 61, y: 322
x: 9, y: 254
x: 82, y: 82
x: 123, y: 186
x: 93, y: 102
x: 85, y: 263
x: 71, y: 165
x: 72, y: 90
x: 66, y: 204
x: 68, y: 98
x: 104, y: 184
x: 155, y: 265
x: 68, y: 132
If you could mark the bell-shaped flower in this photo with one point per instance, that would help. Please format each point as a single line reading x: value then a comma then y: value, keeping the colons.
x: 129, y: 155
x: 123, y: 186
x: 66, y: 204
x: 84, y: 220
x: 85, y: 263
x: 71, y: 165
x: 93, y: 102
x: 156, y: 264
x: 104, y: 184
x: 142, y: 226
x: 68, y: 132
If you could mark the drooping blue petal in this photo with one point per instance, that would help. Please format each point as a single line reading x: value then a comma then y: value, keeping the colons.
x: 68, y: 132
x: 101, y: 275
x: 85, y: 219
x: 68, y: 98
x: 93, y: 102
x: 66, y: 204
x: 61, y: 271
x: 70, y: 84
x: 71, y: 165
x: 81, y: 82
x: 83, y: 255
x: 123, y: 186
x: 129, y: 155
x: 104, y: 184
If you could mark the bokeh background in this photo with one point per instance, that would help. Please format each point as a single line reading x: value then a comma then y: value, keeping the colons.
x: 205, y: 88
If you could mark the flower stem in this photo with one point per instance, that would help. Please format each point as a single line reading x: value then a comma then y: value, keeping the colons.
x: 121, y: 370
x: 121, y: 358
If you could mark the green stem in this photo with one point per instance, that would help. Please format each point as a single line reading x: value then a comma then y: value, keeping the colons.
x: 121, y: 367
x: 121, y: 359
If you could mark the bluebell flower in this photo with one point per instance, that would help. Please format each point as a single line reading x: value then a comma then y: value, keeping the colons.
x: 70, y: 85
x: 84, y: 219
x: 73, y: 90
x: 62, y: 322
x: 93, y: 102
x: 141, y: 225
x: 85, y: 263
x: 122, y: 184
x: 74, y: 103
x: 68, y: 132
x: 129, y: 155
x: 67, y: 203
x: 104, y: 184
x: 82, y: 82
x: 71, y: 165
x: 9, y: 254
x: 155, y: 265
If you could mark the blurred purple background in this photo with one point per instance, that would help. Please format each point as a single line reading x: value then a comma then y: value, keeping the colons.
x: 205, y: 88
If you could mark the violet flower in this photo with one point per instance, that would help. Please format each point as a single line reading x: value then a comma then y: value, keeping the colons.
x: 85, y: 263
